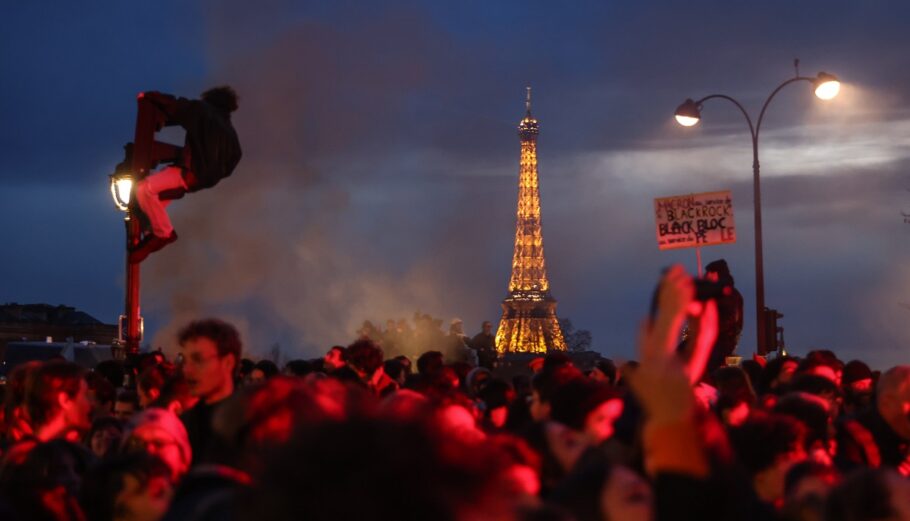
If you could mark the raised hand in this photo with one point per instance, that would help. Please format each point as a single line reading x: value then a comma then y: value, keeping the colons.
x: 661, y: 381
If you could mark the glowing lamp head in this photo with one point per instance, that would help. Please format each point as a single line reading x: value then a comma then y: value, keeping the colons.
x: 826, y: 86
x: 121, y: 190
x: 688, y: 114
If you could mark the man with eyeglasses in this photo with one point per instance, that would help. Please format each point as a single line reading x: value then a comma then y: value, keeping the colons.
x: 211, y: 352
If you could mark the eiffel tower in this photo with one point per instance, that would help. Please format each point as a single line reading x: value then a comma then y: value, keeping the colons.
x: 529, y: 323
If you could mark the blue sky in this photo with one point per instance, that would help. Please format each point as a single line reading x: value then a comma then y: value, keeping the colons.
x: 381, y: 160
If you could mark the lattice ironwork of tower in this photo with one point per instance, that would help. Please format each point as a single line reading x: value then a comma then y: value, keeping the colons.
x: 529, y: 323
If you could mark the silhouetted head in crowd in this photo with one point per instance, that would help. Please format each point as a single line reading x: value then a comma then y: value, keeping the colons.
x: 604, y: 371
x: 151, y: 381
x: 334, y: 359
x: 395, y: 370
x: 57, y: 401
x: 126, y: 404
x: 820, y: 386
x: 104, y: 436
x: 476, y: 379
x: 442, y: 383
x: 365, y: 358
x: 430, y: 363
x: 246, y: 368
x: 857, y: 377
x: 732, y: 380
x: 555, y: 360
x: 175, y: 395
x: 893, y: 399
x: 806, y: 488
x: 735, y: 396
x: 297, y: 368
x: 211, y: 352
x: 778, y: 374
x: 544, y: 385
x: 597, y: 490
x: 858, y: 385
x: 160, y: 432
x: 456, y: 327
x: 496, y: 395
x: 767, y: 445
x: 405, y: 363
x: 487, y: 327
x: 718, y: 271
x: 587, y: 407
x: 15, y: 411
x: 812, y: 411
x: 128, y: 487
x: 101, y: 394
x: 262, y: 371
x: 146, y: 360
x: 113, y: 370
x: 821, y: 363
x: 869, y: 494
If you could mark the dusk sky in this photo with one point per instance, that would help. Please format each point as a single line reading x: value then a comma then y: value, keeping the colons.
x: 380, y: 162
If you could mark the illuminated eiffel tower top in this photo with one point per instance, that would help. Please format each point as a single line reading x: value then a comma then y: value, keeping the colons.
x: 529, y: 323
x: 529, y: 270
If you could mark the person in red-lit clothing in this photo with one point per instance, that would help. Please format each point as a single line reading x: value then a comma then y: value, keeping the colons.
x: 210, y: 153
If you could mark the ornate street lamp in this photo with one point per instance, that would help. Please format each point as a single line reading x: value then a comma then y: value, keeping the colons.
x: 121, y: 190
x: 130, y: 323
x: 688, y: 114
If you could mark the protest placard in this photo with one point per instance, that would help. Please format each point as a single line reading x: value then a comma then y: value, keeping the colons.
x: 694, y: 220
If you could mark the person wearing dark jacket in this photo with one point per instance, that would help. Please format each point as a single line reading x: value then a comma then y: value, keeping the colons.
x: 730, y: 314
x: 485, y: 345
x: 210, y: 153
x: 211, y: 349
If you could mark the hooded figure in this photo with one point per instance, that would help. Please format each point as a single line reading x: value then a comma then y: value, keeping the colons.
x: 729, y: 314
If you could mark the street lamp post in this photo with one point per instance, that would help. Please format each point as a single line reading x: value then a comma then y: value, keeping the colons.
x: 142, y: 155
x: 689, y: 114
x: 121, y: 190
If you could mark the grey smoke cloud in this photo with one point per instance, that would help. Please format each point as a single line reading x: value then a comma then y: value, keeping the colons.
x: 303, y: 237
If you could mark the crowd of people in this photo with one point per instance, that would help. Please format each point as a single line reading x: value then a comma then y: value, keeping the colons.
x: 361, y: 435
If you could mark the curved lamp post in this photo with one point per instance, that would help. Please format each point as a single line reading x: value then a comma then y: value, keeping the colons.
x: 688, y: 114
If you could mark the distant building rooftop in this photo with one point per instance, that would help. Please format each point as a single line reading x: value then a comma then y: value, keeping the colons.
x: 34, y: 327
x: 86, y: 354
x: 45, y: 314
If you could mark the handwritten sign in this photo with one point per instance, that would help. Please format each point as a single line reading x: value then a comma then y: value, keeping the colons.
x: 687, y: 221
